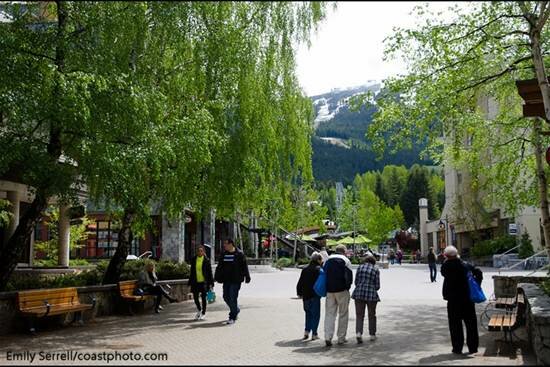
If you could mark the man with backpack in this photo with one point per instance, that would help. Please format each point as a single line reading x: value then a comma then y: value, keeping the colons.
x: 459, y: 305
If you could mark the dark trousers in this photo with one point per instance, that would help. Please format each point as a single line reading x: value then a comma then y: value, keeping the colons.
x: 200, y: 288
x: 158, y: 291
x: 360, y: 316
x: 433, y: 271
x: 458, y: 311
x: 312, y: 308
x: 230, y: 296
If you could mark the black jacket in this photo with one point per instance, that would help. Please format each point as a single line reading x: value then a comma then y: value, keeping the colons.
x: 308, y: 277
x: 431, y: 258
x: 339, y: 276
x: 232, y: 268
x: 455, y: 285
x: 206, y: 272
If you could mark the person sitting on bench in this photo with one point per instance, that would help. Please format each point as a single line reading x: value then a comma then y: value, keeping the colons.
x: 147, y: 281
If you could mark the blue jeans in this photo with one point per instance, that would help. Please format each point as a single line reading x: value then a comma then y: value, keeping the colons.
x: 312, y: 307
x: 230, y: 295
x: 433, y: 271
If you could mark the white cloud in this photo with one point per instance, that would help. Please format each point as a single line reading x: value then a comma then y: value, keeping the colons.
x: 348, y: 48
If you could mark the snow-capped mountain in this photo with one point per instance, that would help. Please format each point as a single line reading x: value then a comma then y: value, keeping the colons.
x: 340, y: 147
x: 328, y: 105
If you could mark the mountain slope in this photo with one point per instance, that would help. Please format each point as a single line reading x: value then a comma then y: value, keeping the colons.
x: 340, y: 149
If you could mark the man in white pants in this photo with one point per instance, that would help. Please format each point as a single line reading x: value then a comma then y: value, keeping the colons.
x: 339, y: 279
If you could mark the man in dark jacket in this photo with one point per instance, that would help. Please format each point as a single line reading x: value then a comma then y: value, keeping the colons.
x: 339, y: 278
x: 232, y: 270
x: 459, y: 306
x: 311, y: 300
x: 201, y: 281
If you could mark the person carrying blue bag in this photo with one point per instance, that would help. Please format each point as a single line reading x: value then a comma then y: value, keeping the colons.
x: 461, y: 290
x: 311, y: 300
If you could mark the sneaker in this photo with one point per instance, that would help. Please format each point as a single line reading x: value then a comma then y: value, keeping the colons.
x: 198, y: 315
x: 160, y: 308
x: 202, y: 317
x: 314, y: 337
x: 342, y: 342
x: 229, y: 322
x: 359, y: 338
x: 372, y: 338
x: 306, y: 336
x: 328, y: 343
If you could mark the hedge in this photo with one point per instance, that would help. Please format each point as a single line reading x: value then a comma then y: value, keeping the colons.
x: 166, y: 270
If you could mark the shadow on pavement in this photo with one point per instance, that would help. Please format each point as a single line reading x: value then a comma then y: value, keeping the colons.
x: 442, y: 358
x: 419, y: 335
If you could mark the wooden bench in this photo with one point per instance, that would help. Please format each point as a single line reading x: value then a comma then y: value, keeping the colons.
x: 127, y: 291
x: 513, y: 317
x: 40, y: 303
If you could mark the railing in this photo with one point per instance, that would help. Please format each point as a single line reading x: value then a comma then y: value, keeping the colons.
x: 500, y: 256
x: 297, y: 239
x: 523, y: 261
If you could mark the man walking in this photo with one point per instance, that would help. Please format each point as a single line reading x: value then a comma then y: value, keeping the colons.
x: 339, y: 278
x: 200, y: 280
x: 459, y: 306
x: 232, y: 270
x: 432, y: 264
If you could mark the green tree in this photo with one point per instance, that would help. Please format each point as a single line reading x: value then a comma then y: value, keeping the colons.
x: 418, y: 186
x: 456, y: 70
x: 525, y: 246
x: 78, y: 234
x: 186, y: 104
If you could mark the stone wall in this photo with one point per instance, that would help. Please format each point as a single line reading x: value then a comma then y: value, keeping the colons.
x: 538, y: 321
x: 505, y: 286
x: 107, y: 303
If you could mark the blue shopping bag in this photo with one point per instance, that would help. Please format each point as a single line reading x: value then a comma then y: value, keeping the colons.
x: 476, y: 293
x: 210, y: 296
x: 320, y: 286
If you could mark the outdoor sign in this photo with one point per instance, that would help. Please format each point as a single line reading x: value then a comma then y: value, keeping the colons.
x: 512, y: 228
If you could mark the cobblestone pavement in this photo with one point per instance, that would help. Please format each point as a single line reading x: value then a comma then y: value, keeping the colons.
x: 412, y: 329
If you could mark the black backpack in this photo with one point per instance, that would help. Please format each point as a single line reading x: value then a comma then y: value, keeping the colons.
x: 476, y: 272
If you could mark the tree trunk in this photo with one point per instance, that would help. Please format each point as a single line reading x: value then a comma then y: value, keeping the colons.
x: 540, y: 71
x: 112, y: 274
x: 13, y: 249
x: 542, y: 181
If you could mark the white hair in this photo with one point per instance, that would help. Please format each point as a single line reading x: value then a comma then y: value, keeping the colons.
x: 450, y: 251
x: 315, y: 256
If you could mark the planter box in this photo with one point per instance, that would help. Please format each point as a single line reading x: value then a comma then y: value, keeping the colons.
x: 108, y: 303
x: 538, y: 321
x: 505, y: 286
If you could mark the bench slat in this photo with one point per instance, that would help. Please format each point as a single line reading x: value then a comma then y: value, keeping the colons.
x: 56, y: 310
x: 495, y: 323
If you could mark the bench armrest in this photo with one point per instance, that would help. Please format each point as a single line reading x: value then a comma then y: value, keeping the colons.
x: 94, y: 301
x: 48, y: 307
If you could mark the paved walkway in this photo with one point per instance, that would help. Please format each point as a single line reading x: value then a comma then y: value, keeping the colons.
x: 412, y: 330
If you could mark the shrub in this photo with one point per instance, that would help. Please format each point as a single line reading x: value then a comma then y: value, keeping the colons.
x: 355, y: 260
x: 166, y: 270
x: 303, y: 261
x: 284, y: 262
x: 494, y: 246
x: 545, y: 285
x: 525, y: 246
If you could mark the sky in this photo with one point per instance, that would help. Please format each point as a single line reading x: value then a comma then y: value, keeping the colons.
x: 347, y: 49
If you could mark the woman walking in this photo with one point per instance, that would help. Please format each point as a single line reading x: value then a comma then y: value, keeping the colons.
x: 312, y: 301
x: 365, y: 294
x: 201, y: 281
